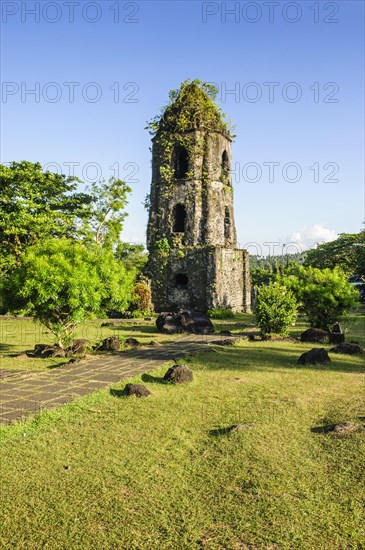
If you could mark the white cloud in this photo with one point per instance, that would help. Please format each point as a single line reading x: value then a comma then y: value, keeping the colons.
x: 309, y: 237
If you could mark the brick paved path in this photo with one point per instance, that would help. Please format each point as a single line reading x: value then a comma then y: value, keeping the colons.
x: 23, y: 393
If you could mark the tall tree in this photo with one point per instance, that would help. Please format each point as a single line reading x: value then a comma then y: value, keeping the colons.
x: 109, y: 200
x: 347, y: 252
x: 35, y: 205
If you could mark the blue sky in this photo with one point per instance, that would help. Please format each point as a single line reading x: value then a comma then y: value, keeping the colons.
x: 290, y: 76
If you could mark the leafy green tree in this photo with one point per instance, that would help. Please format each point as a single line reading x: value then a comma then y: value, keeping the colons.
x: 132, y: 255
x: 324, y: 294
x: 262, y: 275
x: 61, y: 283
x: 35, y: 205
x: 346, y: 252
x: 276, y: 309
x: 108, y: 210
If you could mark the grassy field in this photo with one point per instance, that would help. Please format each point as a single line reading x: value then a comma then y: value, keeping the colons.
x: 122, y: 473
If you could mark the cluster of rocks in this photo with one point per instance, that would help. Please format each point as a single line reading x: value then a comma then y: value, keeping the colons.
x: 80, y: 347
x: 44, y: 351
x: 185, y: 321
x: 177, y: 374
x: 320, y: 336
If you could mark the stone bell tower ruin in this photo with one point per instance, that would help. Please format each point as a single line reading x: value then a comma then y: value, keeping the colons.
x: 194, y: 261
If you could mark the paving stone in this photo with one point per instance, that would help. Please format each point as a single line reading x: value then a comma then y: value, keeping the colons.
x: 29, y: 392
x: 78, y: 391
x: 24, y: 405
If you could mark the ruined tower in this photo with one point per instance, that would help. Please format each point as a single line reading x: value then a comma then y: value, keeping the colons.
x: 191, y: 237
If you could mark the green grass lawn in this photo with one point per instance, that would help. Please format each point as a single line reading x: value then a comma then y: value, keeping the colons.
x: 161, y: 473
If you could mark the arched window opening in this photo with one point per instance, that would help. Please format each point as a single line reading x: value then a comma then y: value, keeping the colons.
x: 225, y: 162
x: 227, y: 223
x: 179, y: 218
x: 181, y: 163
x: 181, y: 280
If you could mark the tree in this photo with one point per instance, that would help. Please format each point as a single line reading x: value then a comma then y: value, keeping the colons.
x: 107, y: 214
x: 61, y: 283
x: 276, y: 309
x: 324, y: 294
x: 132, y: 255
x: 36, y: 205
x: 346, y: 252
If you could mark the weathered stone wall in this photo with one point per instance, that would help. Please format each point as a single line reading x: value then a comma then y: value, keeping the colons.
x: 227, y: 289
x: 205, y: 252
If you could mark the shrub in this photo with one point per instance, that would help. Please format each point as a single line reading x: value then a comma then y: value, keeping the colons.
x: 324, y: 294
x: 276, y: 309
x: 62, y: 283
x: 141, y: 300
x: 221, y: 313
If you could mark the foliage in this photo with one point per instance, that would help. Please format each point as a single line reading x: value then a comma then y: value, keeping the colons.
x: 276, y: 309
x: 347, y: 252
x: 132, y: 255
x: 263, y: 275
x: 220, y: 313
x: 280, y: 259
x: 36, y: 205
x: 324, y: 294
x: 62, y: 283
x: 163, y: 247
x: 107, y: 215
x: 141, y: 299
x: 191, y: 106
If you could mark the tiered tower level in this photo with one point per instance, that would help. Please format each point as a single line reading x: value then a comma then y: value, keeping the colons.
x: 191, y: 237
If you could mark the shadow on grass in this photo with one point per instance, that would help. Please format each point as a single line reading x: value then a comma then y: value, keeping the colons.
x: 323, y: 429
x: 144, y: 329
x: 6, y: 347
x: 118, y: 393
x: 218, y: 432
x: 153, y: 379
x: 270, y: 358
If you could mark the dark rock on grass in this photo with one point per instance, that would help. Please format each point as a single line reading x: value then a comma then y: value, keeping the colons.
x: 74, y: 360
x: 314, y: 357
x: 139, y: 390
x: 110, y: 344
x: 344, y: 428
x: 154, y: 343
x: 348, y: 349
x: 179, y: 374
x: 45, y: 351
x: 196, y: 322
x: 79, y: 346
x: 185, y: 321
x: 169, y: 323
x: 316, y: 335
x: 132, y: 342
x: 226, y: 333
x: 337, y: 335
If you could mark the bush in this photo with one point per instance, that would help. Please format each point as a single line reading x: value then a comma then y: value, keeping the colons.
x: 276, y: 309
x: 62, y: 283
x: 220, y: 313
x: 324, y: 294
x: 141, y: 304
